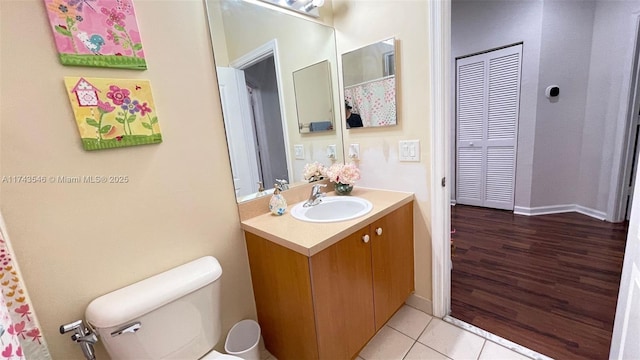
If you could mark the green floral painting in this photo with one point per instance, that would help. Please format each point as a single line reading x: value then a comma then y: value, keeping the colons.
x: 113, y: 113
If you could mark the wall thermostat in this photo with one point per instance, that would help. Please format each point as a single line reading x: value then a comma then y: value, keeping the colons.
x: 552, y: 91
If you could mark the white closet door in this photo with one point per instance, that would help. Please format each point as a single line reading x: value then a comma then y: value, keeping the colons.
x: 488, y: 97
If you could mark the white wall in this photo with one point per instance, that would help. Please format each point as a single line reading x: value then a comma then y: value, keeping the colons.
x: 360, y: 23
x: 481, y: 25
x: 569, y: 149
x: 564, y: 61
x: 75, y: 242
x: 614, y: 33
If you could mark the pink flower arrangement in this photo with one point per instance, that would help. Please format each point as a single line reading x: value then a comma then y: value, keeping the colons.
x: 314, y: 171
x: 343, y: 173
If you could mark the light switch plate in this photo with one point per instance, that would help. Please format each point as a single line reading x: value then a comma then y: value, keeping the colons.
x: 409, y: 150
x: 299, y: 151
x: 331, y: 152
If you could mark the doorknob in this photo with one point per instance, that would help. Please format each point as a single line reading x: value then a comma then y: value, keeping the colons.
x: 365, y: 239
x: 379, y: 231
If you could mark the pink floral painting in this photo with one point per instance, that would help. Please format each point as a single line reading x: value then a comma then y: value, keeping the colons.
x: 113, y: 113
x: 100, y: 33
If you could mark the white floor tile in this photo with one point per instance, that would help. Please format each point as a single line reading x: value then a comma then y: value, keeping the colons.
x: 452, y: 341
x: 388, y: 344
x: 264, y: 353
x: 493, y: 351
x: 421, y: 352
x: 409, y: 321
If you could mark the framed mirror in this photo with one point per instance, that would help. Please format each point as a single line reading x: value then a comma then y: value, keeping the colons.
x: 314, y: 98
x: 257, y: 51
x: 369, y: 75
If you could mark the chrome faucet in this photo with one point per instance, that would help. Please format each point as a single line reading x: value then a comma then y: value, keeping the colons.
x: 316, y: 195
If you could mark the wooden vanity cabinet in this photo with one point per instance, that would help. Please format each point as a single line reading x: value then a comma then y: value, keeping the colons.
x: 392, y: 257
x: 329, y: 305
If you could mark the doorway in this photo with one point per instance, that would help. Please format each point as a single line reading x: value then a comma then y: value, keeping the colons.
x: 267, y: 121
x: 441, y: 51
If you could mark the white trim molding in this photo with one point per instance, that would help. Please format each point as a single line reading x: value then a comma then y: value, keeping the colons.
x: 440, y: 116
x: 622, y: 160
x: 559, y: 209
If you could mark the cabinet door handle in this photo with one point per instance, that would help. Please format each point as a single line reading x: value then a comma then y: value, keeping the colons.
x: 365, y: 239
x: 379, y: 231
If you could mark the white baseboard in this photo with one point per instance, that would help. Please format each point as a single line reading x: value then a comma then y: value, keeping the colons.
x: 420, y: 303
x: 600, y: 215
x: 543, y: 210
x: 453, y: 202
x: 558, y: 209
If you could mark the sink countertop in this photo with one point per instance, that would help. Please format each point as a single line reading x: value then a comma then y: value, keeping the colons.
x: 308, y: 238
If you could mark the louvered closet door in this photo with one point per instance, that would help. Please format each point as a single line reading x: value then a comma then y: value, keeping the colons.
x: 487, y: 107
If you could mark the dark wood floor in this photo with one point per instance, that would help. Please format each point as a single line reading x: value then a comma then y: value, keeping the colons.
x: 547, y: 282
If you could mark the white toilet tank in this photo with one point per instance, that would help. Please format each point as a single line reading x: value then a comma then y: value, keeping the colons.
x: 176, y: 314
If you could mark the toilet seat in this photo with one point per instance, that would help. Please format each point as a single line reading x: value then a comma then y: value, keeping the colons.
x: 214, y: 355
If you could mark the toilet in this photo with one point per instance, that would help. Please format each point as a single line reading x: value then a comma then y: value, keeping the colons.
x: 172, y: 315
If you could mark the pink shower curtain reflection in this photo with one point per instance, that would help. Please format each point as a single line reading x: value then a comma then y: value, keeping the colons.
x: 374, y: 101
x: 20, y: 335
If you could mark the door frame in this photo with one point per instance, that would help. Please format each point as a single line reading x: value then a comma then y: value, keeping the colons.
x: 440, y: 189
x: 616, y: 206
x: 253, y: 57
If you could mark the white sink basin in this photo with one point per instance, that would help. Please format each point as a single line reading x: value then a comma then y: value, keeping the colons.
x: 332, y: 209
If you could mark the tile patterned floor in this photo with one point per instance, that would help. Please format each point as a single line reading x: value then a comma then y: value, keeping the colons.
x: 413, y: 335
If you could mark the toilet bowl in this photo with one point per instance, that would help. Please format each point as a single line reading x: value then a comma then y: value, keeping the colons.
x: 172, y: 315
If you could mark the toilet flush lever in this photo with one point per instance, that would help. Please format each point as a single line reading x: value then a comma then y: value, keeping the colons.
x: 131, y: 328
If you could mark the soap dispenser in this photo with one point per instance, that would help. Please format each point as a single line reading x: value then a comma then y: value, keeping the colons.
x: 277, y: 204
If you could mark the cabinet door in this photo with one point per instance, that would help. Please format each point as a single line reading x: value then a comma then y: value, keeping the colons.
x: 284, y: 302
x: 392, y: 262
x: 343, y: 296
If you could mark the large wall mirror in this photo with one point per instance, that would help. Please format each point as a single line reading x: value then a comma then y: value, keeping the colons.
x: 259, y: 52
x: 369, y: 75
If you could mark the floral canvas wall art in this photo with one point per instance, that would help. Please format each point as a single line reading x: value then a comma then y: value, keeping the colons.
x: 101, y: 33
x: 113, y: 113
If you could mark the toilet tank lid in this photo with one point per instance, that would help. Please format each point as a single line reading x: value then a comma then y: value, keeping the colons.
x: 130, y: 302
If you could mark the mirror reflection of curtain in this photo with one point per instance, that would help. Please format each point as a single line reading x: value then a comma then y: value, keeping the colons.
x: 20, y: 335
x: 374, y: 101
